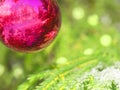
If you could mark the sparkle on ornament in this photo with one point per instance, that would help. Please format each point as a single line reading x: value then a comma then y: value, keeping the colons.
x: 28, y: 25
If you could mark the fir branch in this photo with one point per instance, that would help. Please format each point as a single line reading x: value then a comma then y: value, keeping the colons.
x: 51, y: 78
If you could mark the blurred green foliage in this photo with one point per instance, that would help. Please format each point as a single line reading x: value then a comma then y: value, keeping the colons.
x: 90, y: 29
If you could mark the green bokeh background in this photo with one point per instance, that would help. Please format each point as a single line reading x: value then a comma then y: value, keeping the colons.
x: 88, y: 27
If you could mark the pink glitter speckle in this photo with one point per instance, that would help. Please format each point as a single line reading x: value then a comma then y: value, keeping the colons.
x: 29, y: 25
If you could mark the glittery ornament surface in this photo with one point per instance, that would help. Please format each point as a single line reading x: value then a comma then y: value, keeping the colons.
x: 28, y: 25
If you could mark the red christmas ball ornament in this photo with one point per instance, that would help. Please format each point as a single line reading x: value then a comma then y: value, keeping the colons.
x: 29, y: 25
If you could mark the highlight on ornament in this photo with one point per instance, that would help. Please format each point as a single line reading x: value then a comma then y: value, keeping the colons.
x: 29, y: 25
